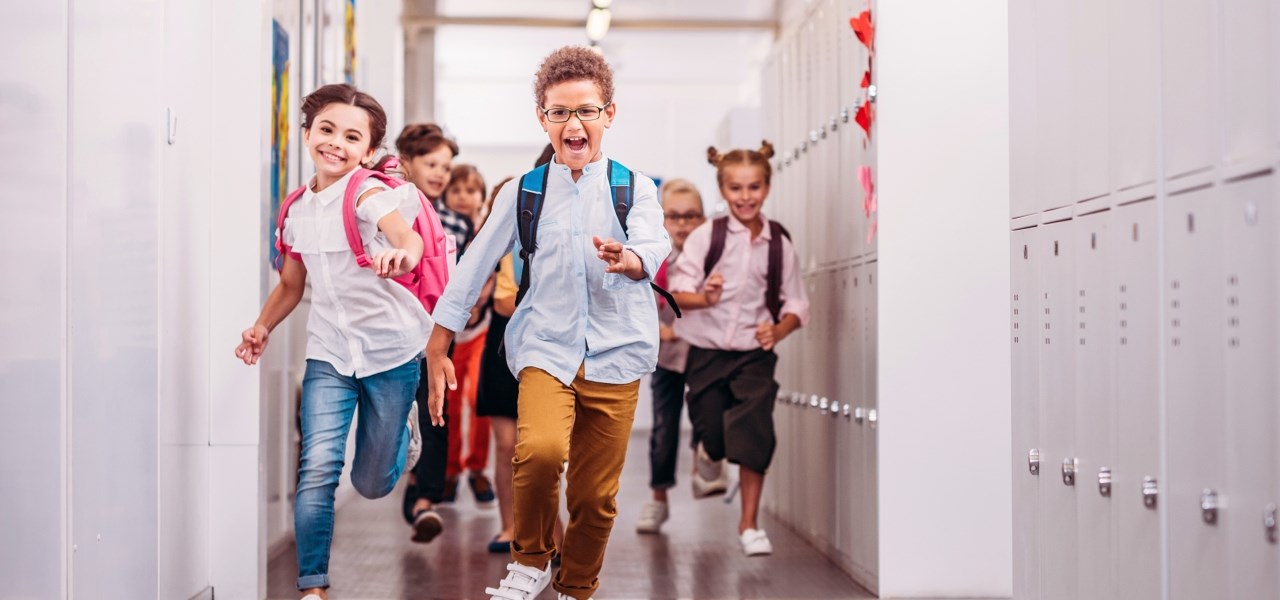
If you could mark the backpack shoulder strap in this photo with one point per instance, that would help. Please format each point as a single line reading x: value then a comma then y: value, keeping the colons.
x: 529, y: 200
x: 622, y: 185
x: 349, y: 198
x: 773, y: 278
x: 281, y: 248
x: 719, y: 230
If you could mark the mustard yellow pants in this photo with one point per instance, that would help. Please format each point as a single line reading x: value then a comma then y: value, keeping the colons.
x: 588, y: 423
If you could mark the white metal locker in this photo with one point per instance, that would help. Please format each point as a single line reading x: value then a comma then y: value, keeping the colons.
x: 1057, y: 412
x: 1095, y: 402
x: 846, y: 458
x: 1188, y: 83
x: 1135, y: 480
x: 1194, y: 326
x: 870, y: 496
x: 1089, y: 78
x: 1134, y: 76
x: 1253, y: 469
x: 1054, y: 97
x: 1248, y: 80
x: 1027, y: 464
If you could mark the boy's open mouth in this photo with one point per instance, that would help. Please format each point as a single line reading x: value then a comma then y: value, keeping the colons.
x: 575, y: 144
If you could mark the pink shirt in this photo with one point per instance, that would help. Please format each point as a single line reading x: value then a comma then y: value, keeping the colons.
x: 731, y: 323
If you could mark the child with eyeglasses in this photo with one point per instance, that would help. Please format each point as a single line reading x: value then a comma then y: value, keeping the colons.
x: 682, y: 213
x: 585, y: 328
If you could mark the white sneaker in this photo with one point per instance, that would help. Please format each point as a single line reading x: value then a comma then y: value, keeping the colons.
x: 652, y: 516
x: 709, y: 477
x: 521, y: 583
x: 755, y: 542
x: 415, y: 439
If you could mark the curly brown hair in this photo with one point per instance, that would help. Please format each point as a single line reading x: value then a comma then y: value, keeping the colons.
x: 573, y: 63
x: 742, y: 156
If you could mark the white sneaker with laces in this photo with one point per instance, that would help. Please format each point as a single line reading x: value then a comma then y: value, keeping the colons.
x: 755, y: 542
x: 652, y: 516
x: 709, y: 477
x: 415, y: 439
x: 521, y: 583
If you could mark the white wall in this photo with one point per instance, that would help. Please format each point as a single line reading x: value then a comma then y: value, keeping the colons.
x: 944, y: 201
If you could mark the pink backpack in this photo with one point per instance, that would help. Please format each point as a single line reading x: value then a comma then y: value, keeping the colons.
x: 427, y: 280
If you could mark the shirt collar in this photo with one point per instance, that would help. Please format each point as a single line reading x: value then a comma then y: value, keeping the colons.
x: 326, y: 196
x: 736, y: 226
x: 590, y: 170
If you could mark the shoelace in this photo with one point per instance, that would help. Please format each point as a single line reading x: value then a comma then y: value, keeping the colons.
x: 518, y: 584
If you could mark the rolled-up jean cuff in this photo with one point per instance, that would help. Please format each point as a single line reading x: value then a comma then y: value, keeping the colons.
x: 313, y: 581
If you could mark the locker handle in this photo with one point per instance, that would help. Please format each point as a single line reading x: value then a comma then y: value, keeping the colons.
x: 1269, y: 522
x: 859, y: 414
x: 1209, y: 506
x: 872, y: 418
x: 848, y: 411
x: 872, y: 92
x: 1069, y: 468
x: 813, y: 401
x: 1150, y: 491
x: 844, y: 114
x: 834, y: 124
x: 1104, y: 481
x: 1033, y: 461
x: 835, y: 409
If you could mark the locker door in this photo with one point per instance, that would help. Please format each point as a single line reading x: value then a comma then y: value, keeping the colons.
x: 1054, y: 97
x: 870, y: 494
x: 1023, y: 146
x: 1057, y: 412
x: 1251, y: 393
x: 1194, y: 292
x: 857, y: 430
x: 1248, y: 74
x: 1136, y: 520
x: 1026, y: 434
x: 1090, y: 167
x: 845, y: 453
x: 1133, y: 41
x: 1095, y: 401
x: 1188, y: 85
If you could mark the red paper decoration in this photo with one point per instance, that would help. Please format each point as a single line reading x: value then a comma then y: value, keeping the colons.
x: 864, y: 29
x: 865, y: 117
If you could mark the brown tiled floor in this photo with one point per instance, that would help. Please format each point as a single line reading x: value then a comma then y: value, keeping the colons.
x: 697, y: 556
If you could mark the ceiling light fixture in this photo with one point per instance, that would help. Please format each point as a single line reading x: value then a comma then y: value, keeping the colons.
x: 598, y: 23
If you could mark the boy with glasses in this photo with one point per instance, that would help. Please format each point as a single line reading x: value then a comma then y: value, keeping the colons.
x: 682, y: 212
x: 581, y: 337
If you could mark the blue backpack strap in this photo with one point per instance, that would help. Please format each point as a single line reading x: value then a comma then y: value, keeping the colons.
x: 529, y: 201
x: 622, y: 184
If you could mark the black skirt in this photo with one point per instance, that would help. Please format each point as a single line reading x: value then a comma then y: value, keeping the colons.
x: 498, y: 389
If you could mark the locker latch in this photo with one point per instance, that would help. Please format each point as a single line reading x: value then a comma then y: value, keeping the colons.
x: 1069, y: 468
x: 1033, y: 461
x: 823, y: 403
x: 844, y: 114
x: 859, y: 415
x: 1104, y: 481
x: 813, y: 401
x: 835, y: 124
x: 1209, y: 506
x: 848, y: 411
x: 872, y: 418
x: 1269, y: 522
x: 1150, y: 491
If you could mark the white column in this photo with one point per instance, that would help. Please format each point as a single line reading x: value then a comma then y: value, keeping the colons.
x: 943, y: 135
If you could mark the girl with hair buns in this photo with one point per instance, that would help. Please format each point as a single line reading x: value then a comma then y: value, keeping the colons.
x: 738, y: 281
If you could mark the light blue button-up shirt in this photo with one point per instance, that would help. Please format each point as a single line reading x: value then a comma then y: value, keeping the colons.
x: 574, y: 313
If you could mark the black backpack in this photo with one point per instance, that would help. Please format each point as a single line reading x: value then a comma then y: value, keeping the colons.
x: 773, y: 278
x: 533, y: 187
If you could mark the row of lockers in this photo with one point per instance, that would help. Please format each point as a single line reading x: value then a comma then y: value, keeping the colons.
x: 1110, y: 95
x: 1145, y: 398
x: 823, y: 477
x: 811, y: 94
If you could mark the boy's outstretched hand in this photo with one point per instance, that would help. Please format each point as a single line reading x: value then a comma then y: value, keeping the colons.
x: 617, y: 258
x: 253, y: 343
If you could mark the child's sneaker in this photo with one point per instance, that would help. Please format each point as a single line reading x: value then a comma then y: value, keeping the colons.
x: 450, y: 494
x: 755, y: 542
x: 652, y: 516
x: 521, y: 583
x: 709, y: 477
x: 481, y: 487
x: 415, y: 439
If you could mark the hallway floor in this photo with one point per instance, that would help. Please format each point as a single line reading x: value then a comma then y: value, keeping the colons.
x: 697, y: 556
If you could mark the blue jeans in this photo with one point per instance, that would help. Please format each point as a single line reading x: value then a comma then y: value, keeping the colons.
x: 329, y: 402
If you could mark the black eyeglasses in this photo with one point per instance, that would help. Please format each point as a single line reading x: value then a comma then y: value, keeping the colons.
x: 683, y: 217
x: 585, y: 113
